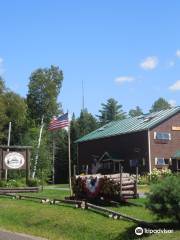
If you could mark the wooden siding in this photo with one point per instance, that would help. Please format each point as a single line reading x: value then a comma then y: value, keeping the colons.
x: 124, y: 146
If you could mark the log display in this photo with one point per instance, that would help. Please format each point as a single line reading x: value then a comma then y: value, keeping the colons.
x: 108, y: 187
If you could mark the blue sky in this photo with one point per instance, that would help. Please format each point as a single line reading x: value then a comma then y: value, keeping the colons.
x: 128, y: 50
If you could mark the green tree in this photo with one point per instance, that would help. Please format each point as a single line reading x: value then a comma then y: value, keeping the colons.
x: 3, y: 118
x: 160, y: 104
x: 135, y: 112
x: 111, y: 111
x: 13, y: 109
x: 75, y: 133
x: 2, y: 86
x: 86, y: 123
x: 44, y: 88
x: 61, y: 156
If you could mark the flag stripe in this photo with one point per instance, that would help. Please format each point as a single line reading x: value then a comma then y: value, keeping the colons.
x: 59, y: 122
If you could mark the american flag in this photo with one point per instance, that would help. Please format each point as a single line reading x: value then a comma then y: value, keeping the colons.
x: 59, y: 122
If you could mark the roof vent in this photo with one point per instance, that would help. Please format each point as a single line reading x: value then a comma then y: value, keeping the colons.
x: 149, y: 117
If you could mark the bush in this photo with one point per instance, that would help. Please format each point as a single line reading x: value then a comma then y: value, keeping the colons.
x: 12, y: 183
x: 2, y: 183
x: 144, y: 179
x: 33, y: 183
x: 164, y: 198
x: 155, y: 176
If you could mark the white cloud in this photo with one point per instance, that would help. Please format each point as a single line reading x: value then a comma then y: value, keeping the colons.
x: 123, y: 79
x: 149, y: 63
x: 172, y: 102
x: 1, y: 66
x: 178, y: 53
x: 175, y: 86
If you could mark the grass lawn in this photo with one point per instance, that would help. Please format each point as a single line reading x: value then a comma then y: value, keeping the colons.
x: 66, y: 223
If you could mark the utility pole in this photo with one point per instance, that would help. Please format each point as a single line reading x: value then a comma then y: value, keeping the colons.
x: 82, y: 95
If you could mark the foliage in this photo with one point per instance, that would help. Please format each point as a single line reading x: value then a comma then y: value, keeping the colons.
x: 45, y: 159
x: 135, y: 112
x: 15, y: 110
x: 44, y: 88
x: 2, y: 86
x: 111, y: 111
x: 3, y: 118
x: 33, y: 183
x: 21, y: 182
x: 61, y: 155
x: 144, y: 179
x: 164, y: 198
x: 156, y: 175
x: 86, y: 123
x: 74, y: 128
x: 160, y: 104
x: 2, y: 183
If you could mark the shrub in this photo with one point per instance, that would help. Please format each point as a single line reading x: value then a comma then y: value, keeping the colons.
x: 144, y: 179
x: 164, y: 198
x: 12, y: 183
x: 33, y: 183
x: 156, y: 175
x: 2, y: 183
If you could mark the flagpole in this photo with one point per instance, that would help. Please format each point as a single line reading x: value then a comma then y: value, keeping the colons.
x: 53, y: 158
x: 69, y: 154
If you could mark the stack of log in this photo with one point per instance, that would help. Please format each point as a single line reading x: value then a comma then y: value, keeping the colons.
x: 112, y: 187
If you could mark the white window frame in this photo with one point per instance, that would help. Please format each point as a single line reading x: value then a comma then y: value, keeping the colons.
x: 156, y: 161
x: 155, y: 136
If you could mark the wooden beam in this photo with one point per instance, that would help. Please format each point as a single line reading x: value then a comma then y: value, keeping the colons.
x: 15, y: 147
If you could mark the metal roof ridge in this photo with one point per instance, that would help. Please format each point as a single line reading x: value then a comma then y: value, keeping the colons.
x: 128, y: 125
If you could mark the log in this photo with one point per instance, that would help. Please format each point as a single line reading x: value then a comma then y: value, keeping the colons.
x: 31, y: 197
x: 127, y: 192
x: 126, y: 187
x: 124, y: 175
x: 113, y: 213
x: 68, y: 201
x: 125, y: 182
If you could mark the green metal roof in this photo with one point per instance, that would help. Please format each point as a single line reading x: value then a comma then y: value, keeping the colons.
x: 129, y: 125
x: 177, y: 154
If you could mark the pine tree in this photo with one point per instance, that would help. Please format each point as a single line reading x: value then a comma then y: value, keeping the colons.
x: 111, y: 111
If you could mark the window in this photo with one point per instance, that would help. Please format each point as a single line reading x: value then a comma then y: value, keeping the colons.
x: 133, y: 162
x: 106, y: 165
x: 161, y: 161
x: 162, y: 136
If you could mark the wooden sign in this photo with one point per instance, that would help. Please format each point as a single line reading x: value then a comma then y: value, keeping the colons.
x: 14, y: 160
x: 176, y: 128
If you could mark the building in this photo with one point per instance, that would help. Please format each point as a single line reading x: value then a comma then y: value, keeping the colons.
x: 147, y: 141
